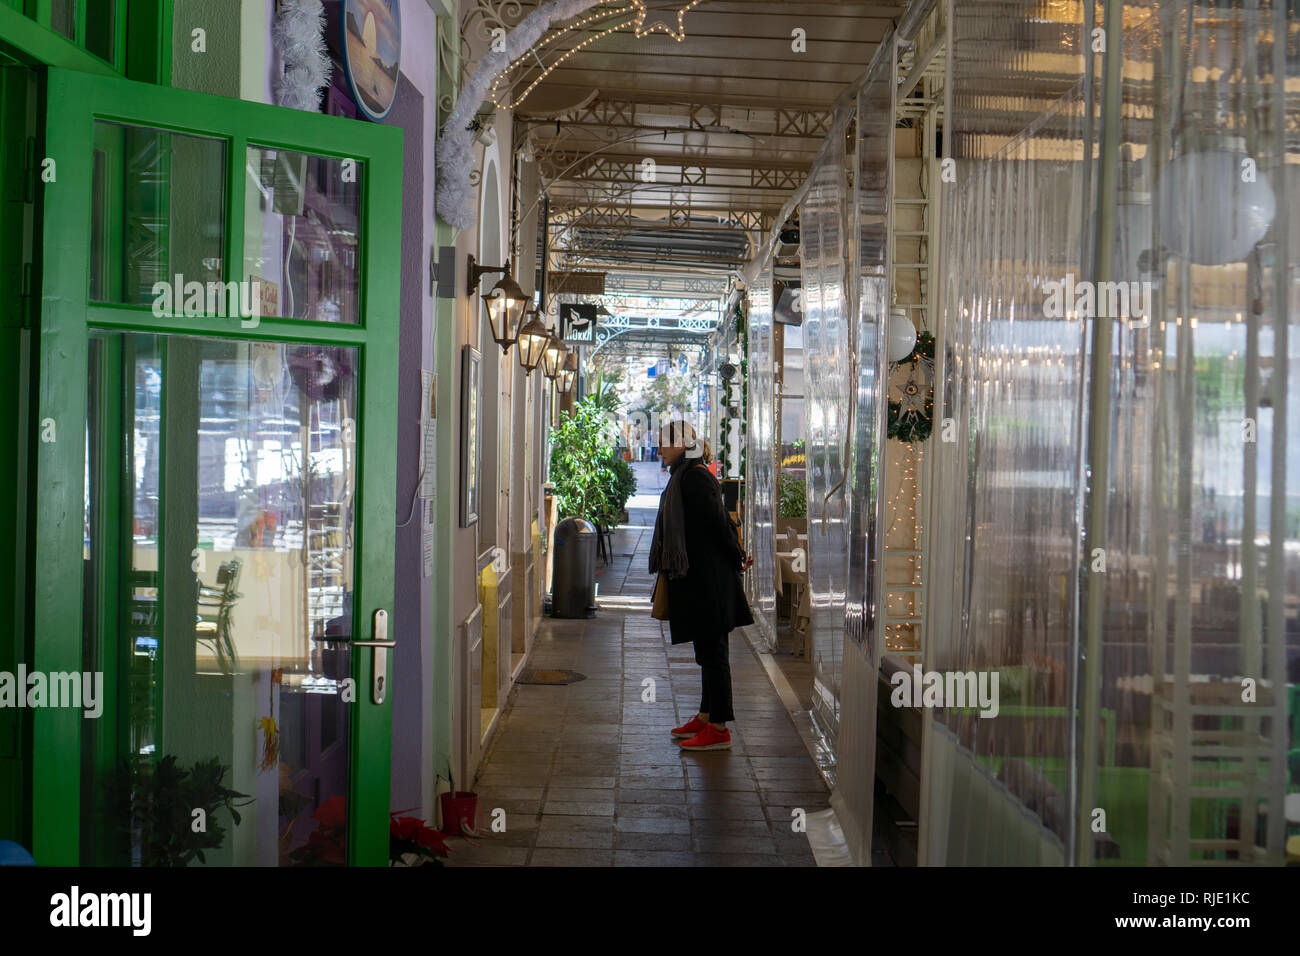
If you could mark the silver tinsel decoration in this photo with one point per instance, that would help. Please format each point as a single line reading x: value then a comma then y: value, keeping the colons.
x: 299, y: 38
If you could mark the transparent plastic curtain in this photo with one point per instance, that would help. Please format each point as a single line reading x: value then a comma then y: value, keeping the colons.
x: 855, y: 751
x: 1004, y: 552
x: 1126, y: 553
x: 873, y: 189
x: 760, y: 460
x: 824, y: 254
x: 1197, y: 616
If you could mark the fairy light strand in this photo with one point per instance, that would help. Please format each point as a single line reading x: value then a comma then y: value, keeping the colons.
x: 638, y: 29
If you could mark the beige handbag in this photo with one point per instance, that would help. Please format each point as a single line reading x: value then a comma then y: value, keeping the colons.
x: 660, y: 601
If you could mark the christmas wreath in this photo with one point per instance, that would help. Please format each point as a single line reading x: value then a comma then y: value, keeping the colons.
x: 912, y: 418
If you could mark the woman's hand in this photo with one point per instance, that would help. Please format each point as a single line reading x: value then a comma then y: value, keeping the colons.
x: 747, y: 563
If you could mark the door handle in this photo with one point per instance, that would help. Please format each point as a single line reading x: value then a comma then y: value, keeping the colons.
x: 379, y: 657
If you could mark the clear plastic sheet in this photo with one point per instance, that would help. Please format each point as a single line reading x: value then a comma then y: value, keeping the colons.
x: 760, y: 460
x: 824, y: 252
x: 1122, y: 550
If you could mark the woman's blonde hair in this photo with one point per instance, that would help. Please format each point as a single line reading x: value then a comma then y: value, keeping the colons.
x: 680, y: 432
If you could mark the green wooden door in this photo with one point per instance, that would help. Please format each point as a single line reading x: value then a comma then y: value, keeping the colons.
x: 216, y: 459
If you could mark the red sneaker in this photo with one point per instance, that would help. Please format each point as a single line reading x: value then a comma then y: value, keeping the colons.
x: 709, y: 739
x: 690, y: 728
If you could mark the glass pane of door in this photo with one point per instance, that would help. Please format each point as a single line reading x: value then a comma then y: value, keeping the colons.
x: 225, y: 612
x: 302, y: 234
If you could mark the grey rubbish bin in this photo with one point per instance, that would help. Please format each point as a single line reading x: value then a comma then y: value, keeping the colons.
x: 573, y: 580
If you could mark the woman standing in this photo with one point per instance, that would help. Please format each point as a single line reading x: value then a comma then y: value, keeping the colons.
x: 699, y: 560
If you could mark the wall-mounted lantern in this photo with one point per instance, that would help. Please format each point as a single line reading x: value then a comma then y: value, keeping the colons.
x: 533, y: 339
x: 505, y: 303
x: 553, y: 356
x: 568, y: 372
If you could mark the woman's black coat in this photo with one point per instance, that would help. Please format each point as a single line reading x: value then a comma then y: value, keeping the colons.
x: 710, y: 599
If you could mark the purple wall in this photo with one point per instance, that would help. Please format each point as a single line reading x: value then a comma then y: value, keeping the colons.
x: 413, y: 598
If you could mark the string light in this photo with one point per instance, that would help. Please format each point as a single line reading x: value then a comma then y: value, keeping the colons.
x: 547, y: 70
x: 638, y: 29
x: 659, y: 25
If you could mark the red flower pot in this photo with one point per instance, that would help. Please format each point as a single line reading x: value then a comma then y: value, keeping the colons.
x: 459, y: 812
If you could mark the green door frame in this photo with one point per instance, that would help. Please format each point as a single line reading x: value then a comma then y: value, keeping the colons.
x: 77, y: 101
x: 142, y: 38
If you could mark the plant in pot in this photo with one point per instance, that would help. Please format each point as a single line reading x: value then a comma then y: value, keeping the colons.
x: 590, y: 479
x: 156, y: 805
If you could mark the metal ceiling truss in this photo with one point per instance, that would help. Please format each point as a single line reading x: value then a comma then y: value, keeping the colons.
x: 567, y: 166
x: 614, y: 114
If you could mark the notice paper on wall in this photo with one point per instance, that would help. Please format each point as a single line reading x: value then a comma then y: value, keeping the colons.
x: 429, y: 466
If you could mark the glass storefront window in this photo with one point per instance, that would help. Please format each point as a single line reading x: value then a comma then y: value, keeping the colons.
x: 157, y: 215
x: 302, y: 237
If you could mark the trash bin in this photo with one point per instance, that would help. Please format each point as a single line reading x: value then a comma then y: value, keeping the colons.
x: 573, y: 576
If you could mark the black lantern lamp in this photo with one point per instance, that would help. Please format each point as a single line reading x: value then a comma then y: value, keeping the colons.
x: 533, y: 339
x: 553, y: 356
x: 568, y: 372
x: 505, y: 303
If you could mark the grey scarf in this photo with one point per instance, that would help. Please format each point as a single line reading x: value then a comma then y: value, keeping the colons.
x: 668, y: 546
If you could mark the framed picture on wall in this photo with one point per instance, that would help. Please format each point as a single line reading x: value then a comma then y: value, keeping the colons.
x: 470, y: 442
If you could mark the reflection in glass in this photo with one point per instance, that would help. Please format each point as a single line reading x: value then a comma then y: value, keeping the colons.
x: 302, y: 234
x: 157, y: 212
x: 235, y: 585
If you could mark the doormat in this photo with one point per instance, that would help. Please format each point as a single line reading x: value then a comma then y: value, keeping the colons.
x: 550, y: 677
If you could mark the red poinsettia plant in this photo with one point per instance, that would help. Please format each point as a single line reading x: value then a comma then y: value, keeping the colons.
x: 406, y: 835
x: 411, y: 835
x: 325, y: 846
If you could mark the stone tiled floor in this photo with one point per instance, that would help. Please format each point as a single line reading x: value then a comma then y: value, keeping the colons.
x: 588, y: 774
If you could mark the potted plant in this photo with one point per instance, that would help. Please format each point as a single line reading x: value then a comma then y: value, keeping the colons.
x: 155, y: 804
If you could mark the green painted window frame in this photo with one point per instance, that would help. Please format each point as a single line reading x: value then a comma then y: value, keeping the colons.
x: 27, y: 32
x: 77, y: 101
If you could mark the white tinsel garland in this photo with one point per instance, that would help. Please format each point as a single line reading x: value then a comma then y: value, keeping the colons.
x: 299, y: 38
x: 454, y: 197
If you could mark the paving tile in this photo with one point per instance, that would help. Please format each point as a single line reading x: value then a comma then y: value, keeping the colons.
x: 670, y: 842
x: 652, y: 858
x: 668, y: 778
x: 581, y: 782
x: 637, y: 795
x: 630, y: 824
x: 552, y: 856
x: 659, y: 810
x: 736, y: 859
x: 584, y: 795
x: 571, y: 839
x: 714, y: 811
x: 734, y: 843
x: 486, y: 854
x: 583, y: 808
x: 558, y: 821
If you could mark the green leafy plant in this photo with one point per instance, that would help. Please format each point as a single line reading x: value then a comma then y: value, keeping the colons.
x: 155, y: 802
x: 667, y: 393
x: 605, y: 396
x: 792, y: 495
x: 591, y: 480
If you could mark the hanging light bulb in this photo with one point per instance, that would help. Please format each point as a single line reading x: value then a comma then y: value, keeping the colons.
x: 900, y: 335
x: 1217, y: 204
